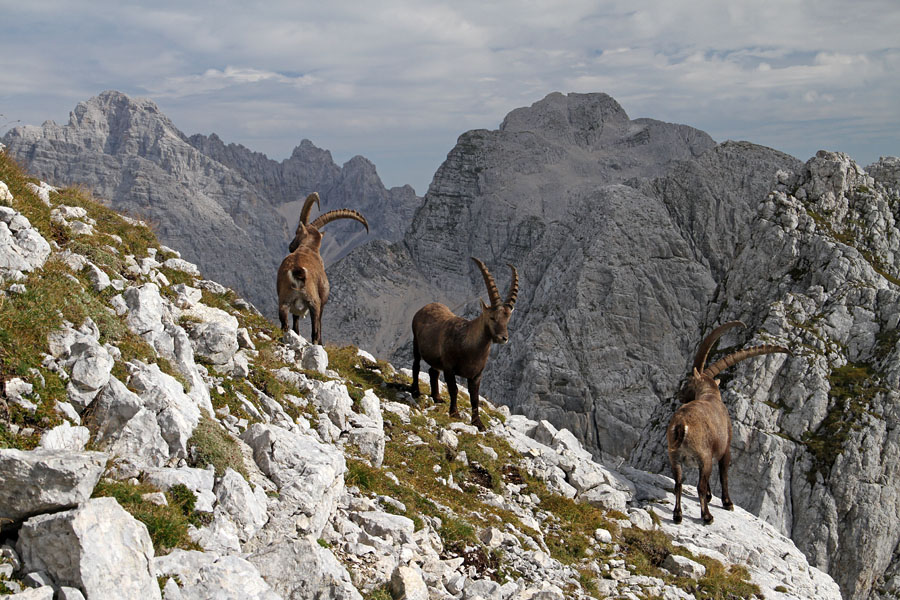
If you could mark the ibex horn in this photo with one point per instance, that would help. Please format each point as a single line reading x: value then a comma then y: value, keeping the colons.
x: 342, y: 213
x: 307, y: 207
x: 736, y: 357
x: 711, y: 339
x: 513, y: 287
x: 493, y: 293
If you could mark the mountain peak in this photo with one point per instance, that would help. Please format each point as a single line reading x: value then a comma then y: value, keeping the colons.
x: 558, y: 113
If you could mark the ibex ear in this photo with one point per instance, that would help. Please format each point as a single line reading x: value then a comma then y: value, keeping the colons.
x: 717, y: 382
x: 293, y: 245
x: 696, y: 373
x: 483, y: 305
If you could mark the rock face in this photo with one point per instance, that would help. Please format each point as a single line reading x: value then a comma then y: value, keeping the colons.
x: 219, y: 204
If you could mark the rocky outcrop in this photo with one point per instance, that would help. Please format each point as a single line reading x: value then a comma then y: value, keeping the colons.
x: 221, y: 205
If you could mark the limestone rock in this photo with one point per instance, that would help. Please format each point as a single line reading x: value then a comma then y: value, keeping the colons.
x: 22, y: 248
x: 309, y: 474
x: 89, y: 547
x: 407, y: 583
x: 246, y: 507
x: 301, y: 568
x: 65, y: 437
x: 203, y: 575
x: 46, y: 480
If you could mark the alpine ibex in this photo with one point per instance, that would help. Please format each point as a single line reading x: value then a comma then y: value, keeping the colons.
x: 700, y: 430
x: 302, y: 283
x: 459, y: 347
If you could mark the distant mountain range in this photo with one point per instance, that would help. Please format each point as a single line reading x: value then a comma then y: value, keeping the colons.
x: 231, y: 210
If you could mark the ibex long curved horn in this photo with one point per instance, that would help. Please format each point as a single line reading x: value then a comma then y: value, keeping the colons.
x: 307, y: 207
x: 736, y: 357
x: 493, y: 292
x: 711, y: 339
x: 513, y: 287
x: 341, y: 213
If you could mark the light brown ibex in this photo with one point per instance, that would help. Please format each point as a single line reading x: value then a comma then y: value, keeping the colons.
x: 700, y: 430
x: 302, y: 283
x: 460, y: 347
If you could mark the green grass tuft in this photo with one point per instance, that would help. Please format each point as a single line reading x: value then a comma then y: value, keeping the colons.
x: 210, y: 444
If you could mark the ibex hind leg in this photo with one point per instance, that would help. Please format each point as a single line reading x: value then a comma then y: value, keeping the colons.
x: 677, y: 473
x: 704, y: 493
x: 727, y: 504
x: 474, y: 385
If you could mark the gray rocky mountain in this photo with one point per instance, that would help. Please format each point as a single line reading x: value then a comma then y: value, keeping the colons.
x: 228, y: 209
x: 633, y: 239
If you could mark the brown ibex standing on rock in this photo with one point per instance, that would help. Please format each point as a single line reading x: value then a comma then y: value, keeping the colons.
x: 302, y: 284
x: 459, y: 347
x: 700, y: 430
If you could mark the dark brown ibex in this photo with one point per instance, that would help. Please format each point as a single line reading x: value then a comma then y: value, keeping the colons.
x: 700, y: 430
x: 302, y: 283
x: 456, y: 346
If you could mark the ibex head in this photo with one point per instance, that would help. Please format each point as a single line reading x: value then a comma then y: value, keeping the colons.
x: 704, y: 377
x: 310, y: 234
x: 496, y: 316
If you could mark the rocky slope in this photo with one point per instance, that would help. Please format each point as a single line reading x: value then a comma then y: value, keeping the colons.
x: 156, y: 441
x: 624, y: 269
x: 220, y: 204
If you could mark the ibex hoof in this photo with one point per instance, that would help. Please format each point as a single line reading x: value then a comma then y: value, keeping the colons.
x: 454, y: 414
x: 438, y: 400
x: 707, y: 519
x: 676, y: 518
x: 477, y: 423
x: 415, y: 391
x: 728, y: 505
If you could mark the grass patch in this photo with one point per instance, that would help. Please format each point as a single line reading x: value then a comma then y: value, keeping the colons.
x: 853, y: 387
x: 382, y: 592
x: 167, y: 525
x: 210, y: 444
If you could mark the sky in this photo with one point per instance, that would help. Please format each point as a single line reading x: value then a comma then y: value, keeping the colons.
x: 397, y: 81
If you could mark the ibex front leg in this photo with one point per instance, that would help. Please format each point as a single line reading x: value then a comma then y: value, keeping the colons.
x: 315, y: 317
x: 474, y: 384
x: 452, y: 390
x: 414, y: 386
x: 433, y: 375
